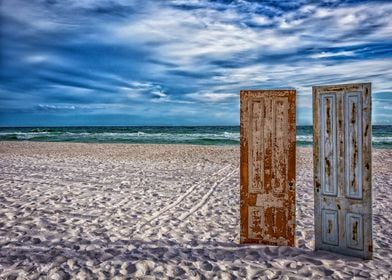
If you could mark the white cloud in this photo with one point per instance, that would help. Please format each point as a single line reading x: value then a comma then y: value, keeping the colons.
x: 55, y: 107
x: 332, y: 54
x: 261, y: 20
x: 139, y: 90
x: 304, y: 101
x: 36, y: 58
x: 159, y: 94
x: 186, y: 36
x: 131, y: 93
x: 212, y: 97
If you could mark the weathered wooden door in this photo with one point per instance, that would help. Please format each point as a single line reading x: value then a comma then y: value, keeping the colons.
x: 342, y: 169
x: 267, y: 172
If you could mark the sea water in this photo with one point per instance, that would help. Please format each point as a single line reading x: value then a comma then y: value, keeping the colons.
x: 199, y: 135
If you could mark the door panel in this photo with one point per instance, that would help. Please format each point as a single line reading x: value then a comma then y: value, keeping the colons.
x: 342, y: 169
x: 330, y: 227
x: 353, y: 142
x: 268, y: 167
x: 279, y: 139
x: 328, y: 144
x: 255, y: 136
x: 354, y: 228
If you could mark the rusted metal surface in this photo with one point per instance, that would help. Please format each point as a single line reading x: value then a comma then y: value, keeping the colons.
x: 342, y: 169
x: 267, y: 171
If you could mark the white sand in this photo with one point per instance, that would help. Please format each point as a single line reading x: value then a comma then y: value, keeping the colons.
x: 110, y: 211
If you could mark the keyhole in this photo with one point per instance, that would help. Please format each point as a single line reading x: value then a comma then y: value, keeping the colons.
x: 355, y: 231
x: 329, y: 226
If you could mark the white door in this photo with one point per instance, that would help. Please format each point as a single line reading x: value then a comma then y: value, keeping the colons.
x: 342, y: 169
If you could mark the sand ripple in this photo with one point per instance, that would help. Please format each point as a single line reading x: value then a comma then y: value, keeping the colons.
x: 111, y: 211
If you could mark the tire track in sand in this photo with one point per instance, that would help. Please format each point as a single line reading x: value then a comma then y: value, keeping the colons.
x: 178, y: 200
x: 204, y: 199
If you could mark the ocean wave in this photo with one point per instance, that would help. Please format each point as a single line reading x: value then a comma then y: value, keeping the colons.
x: 382, y: 139
x: 65, y: 136
x: 149, y: 136
x: 140, y: 134
x: 304, y: 138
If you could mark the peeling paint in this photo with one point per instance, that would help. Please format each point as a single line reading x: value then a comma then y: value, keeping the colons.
x: 329, y: 226
x: 343, y: 219
x: 267, y: 171
x: 355, y: 231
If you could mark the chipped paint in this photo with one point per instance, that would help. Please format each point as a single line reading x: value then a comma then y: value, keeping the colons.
x: 353, y: 144
x: 328, y: 147
x: 342, y: 152
x: 355, y: 231
x: 267, y: 166
x: 329, y: 226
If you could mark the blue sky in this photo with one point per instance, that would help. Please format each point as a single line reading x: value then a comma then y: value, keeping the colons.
x: 117, y: 62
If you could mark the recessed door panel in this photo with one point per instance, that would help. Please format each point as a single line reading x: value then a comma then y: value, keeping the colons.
x: 354, y: 226
x: 279, y: 154
x: 330, y: 227
x: 328, y: 152
x: 353, y: 141
x: 256, y: 141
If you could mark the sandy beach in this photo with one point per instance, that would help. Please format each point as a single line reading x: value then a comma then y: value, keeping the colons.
x: 118, y: 211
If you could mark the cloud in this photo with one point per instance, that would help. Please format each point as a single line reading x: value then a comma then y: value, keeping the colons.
x: 212, y: 97
x: 166, y: 57
x: 332, y: 54
x: 51, y: 107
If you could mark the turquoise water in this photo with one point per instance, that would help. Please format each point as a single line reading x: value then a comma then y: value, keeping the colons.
x: 200, y: 135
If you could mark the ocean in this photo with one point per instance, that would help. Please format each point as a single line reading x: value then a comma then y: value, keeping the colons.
x: 199, y: 135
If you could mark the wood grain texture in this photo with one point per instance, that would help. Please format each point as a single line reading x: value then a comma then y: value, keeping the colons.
x: 351, y: 206
x: 267, y: 172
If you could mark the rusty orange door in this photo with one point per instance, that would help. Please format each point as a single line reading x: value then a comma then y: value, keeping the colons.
x: 267, y: 174
x: 342, y: 169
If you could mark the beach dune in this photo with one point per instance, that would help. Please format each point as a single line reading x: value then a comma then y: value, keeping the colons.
x: 117, y: 211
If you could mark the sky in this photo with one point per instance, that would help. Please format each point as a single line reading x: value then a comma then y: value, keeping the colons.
x: 183, y: 62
